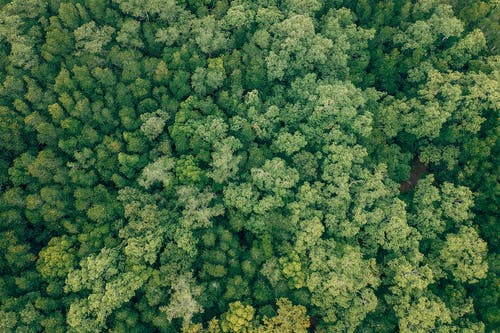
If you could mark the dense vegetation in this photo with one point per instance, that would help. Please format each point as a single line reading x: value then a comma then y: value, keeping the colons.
x: 249, y: 166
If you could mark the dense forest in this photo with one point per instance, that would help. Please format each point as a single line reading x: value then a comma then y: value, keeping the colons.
x: 249, y: 166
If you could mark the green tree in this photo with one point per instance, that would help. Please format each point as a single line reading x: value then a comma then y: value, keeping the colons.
x: 182, y: 302
x: 92, y: 39
x: 238, y: 318
x: 224, y: 162
x: 424, y: 315
x: 129, y: 34
x: 290, y: 318
x: 345, y: 295
x: 463, y: 256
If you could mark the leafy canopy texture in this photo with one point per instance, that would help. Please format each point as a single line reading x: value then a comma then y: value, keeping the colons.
x: 266, y: 166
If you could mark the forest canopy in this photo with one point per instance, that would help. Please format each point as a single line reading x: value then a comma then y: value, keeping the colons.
x: 216, y: 166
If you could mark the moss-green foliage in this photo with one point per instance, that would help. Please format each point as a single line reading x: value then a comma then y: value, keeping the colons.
x: 249, y: 166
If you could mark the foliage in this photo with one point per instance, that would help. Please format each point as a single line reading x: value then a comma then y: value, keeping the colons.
x: 249, y: 166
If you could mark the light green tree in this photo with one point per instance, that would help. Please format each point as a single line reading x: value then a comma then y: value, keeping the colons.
x: 463, y: 256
